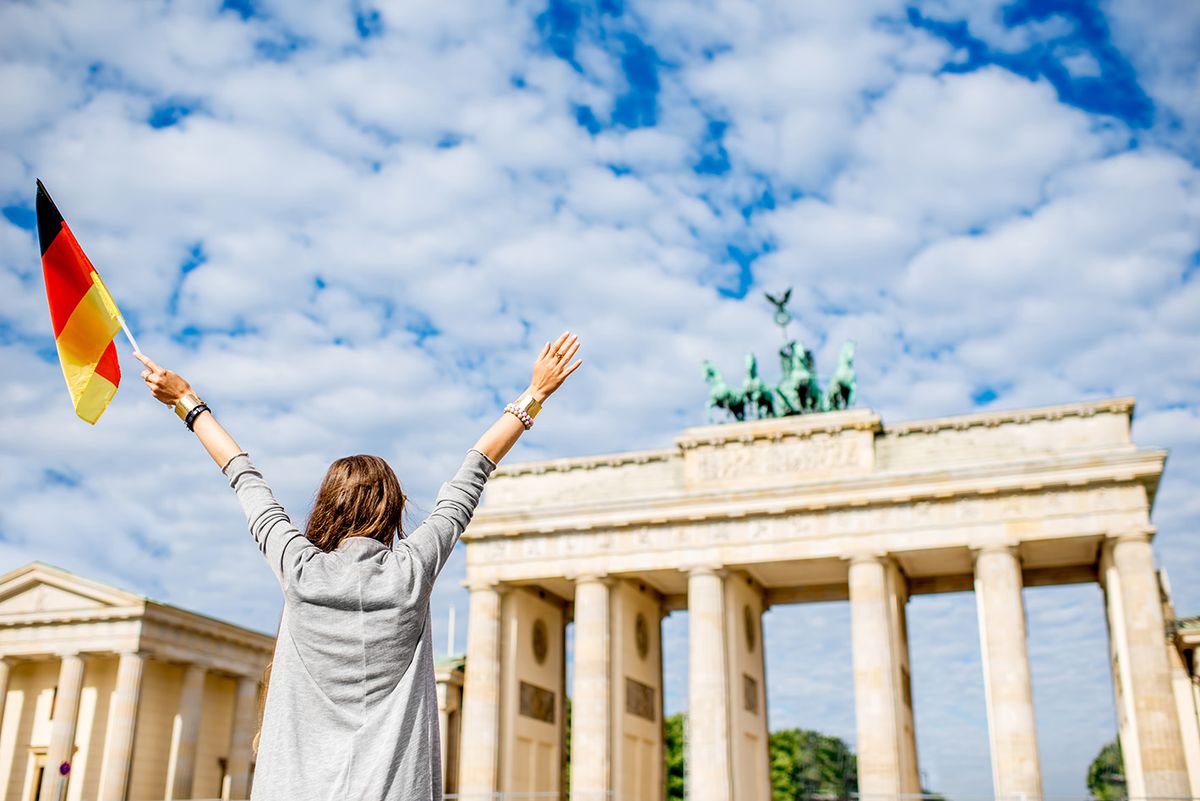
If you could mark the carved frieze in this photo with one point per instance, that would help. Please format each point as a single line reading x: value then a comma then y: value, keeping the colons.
x: 918, y: 524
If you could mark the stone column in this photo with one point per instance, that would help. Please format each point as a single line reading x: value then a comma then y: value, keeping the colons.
x: 241, y: 737
x: 444, y: 734
x: 1016, y: 770
x: 708, y: 760
x: 887, y: 750
x: 591, y: 709
x: 5, y: 667
x: 183, y: 758
x: 1151, y: 738
x: 479, y: 766
x: 1185, y: 702
x: 62, y: 725
x: 122, y: 717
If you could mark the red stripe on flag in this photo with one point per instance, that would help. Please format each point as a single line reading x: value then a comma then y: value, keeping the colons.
x: 68, y: 277
x: 108, y: 366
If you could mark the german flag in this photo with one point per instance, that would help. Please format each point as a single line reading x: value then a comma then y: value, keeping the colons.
x: 84, y: 315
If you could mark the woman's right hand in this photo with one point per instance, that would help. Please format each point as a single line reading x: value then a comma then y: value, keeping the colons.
x: 553, y: 365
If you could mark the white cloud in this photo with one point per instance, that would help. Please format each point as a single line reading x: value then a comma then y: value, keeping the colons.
x: 954, y: 151
x: 1160, y: 40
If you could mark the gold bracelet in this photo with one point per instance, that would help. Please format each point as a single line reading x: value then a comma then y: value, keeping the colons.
x: 184, y: 406
x: 528, y: 404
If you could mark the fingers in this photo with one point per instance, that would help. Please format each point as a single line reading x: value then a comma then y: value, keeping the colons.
x: 146, y: 360
x: 570, y: 351
x: 563, y: 350
x: 572, y: 368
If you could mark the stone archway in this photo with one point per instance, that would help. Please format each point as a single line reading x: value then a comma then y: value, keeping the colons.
x: 734, y: 518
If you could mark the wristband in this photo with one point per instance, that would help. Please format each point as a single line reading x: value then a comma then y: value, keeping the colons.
x: 185, y: 405
x: 528, y: 404
x: 194, y: 413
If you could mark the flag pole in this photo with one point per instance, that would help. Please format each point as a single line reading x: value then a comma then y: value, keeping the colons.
x: 129, y: 335
x: 108, y: 301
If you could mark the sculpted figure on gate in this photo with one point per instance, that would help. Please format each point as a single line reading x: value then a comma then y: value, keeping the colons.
x: 798, y: 390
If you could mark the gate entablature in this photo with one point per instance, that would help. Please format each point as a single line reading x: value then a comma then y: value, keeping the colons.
x: 792, y: 499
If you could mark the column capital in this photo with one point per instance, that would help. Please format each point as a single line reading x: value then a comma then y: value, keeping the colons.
x: 870, y: 557
x: 1145, y: 535
x: 1009, y: 548
x: 593, y: 578
x: 486, y: 585
x: 706, y: 569
x: 196, y: 666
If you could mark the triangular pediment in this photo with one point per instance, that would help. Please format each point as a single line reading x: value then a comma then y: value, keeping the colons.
x: 39, y: 587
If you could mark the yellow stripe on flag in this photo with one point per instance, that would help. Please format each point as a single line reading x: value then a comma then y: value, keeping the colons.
x: 110, y: 305
x: 96, y: 395
x: 85, y: 337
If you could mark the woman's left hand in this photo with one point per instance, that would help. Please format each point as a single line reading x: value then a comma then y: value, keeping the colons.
x: 167, y: 386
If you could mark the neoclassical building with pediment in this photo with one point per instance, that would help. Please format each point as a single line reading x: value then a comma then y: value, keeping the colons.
x: 139, y: 699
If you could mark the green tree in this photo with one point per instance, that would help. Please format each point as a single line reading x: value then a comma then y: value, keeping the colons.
x: 673, y: 729
x: 1106, y: 774
x: 808, y: 764
x: 805, y: 765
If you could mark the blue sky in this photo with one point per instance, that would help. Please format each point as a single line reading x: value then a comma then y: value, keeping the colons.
x: 352, y: 224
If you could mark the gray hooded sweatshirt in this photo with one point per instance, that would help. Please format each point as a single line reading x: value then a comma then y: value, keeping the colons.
x: 351, y: 711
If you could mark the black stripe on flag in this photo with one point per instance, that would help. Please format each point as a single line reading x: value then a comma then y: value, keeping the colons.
x: 49, y: 220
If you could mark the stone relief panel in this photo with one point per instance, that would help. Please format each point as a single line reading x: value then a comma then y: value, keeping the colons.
x: 536, y: 702
x: 749, y: 694
x: 639, y: 699
x: 772, y: 462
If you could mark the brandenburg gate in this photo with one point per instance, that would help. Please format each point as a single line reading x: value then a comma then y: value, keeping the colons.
x: 736, y: 517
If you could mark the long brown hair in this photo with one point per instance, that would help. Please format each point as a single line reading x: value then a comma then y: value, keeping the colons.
x: 359, y: 497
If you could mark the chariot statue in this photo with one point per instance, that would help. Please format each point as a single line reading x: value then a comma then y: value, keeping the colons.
x: 798, y: 390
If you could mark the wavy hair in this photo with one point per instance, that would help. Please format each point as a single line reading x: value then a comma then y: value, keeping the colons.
x: 359, y: 497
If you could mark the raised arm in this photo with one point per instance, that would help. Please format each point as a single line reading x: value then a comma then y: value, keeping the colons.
x: 432, y: 541
x: 171, y: 389
x: 280, y: 542
x: 551, y: 368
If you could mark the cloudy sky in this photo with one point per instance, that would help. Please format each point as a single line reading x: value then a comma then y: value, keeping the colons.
x: 351, y: 226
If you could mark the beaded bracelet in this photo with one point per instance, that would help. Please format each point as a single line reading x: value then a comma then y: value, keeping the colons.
x: 521, y: 415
